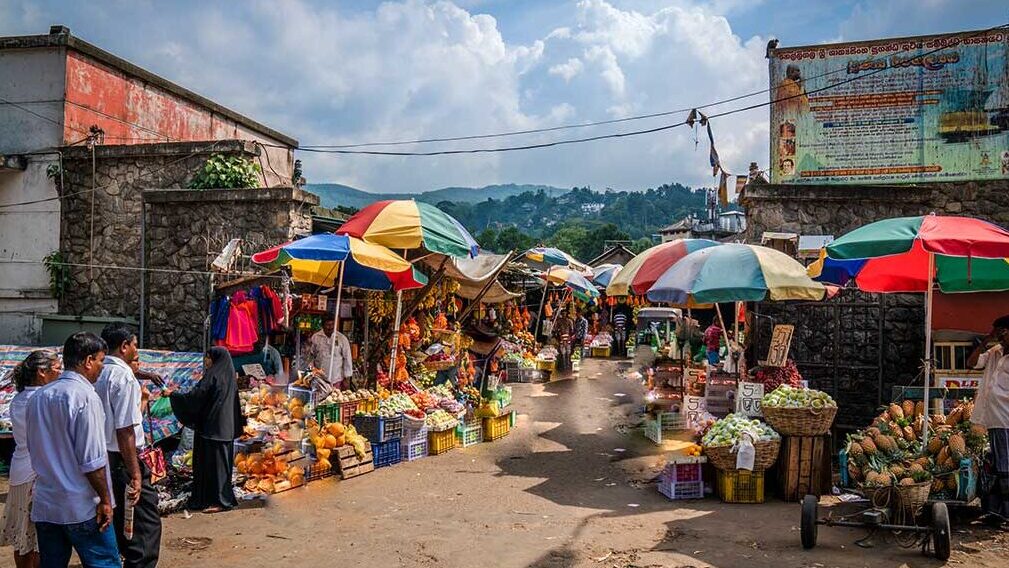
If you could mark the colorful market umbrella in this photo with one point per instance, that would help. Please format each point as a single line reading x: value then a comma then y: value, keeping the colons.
x: 323, y: 258
x: 603, y: 274
x: 542, y: 258
x: 735, y: 273
x: 409, y: 224
x: 911, y: 254
x: 317, y: 260
x: 571, y: 279
x: 641, y: 272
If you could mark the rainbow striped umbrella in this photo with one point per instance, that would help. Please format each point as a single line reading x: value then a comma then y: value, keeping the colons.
x: 735, y: 273
x: 641, y: 272
x: 316, y: 260
x: 603, y: 274
x: 545, y: 257
x: 409, y: 224
x: 572, y: 279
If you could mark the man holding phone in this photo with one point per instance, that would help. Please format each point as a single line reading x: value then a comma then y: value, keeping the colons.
x: 991, y: 410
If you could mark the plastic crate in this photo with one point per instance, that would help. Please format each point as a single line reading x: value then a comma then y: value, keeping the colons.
x: 413, y: 451
x: 741, y: 486
x: 412, y: 435
x: 368, y: 405
x: 496, y: 428
x: 545, y: 365
x: 600, y: 351
x: 653, y: 431
x: 304, y: 395
x: 504, y: 396
x: 681, y: 490
x: 326, y: 413
x: 511, y: 371
x: 347, y: 411
x: 672, y: 421
x: 470, y: 434
x: 387, y: 453
x: 377, y: 429
x: 683, y: 471
x: 440, y: 442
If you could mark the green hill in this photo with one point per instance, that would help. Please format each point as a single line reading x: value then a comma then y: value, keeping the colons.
x: 334, y: 194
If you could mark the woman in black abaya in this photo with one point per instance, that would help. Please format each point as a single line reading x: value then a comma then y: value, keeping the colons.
x: 212, y: 410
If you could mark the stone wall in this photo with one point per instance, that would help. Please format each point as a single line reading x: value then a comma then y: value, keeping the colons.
x: 104, y: 282
x: 186, y: 230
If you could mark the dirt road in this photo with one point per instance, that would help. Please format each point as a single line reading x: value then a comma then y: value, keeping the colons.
x: 557, y: 492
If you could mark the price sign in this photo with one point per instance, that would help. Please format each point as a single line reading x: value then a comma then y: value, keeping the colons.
x: 693, y: 408
x: 748, y: 399
x: 255, y: 370
x: 781, y: 340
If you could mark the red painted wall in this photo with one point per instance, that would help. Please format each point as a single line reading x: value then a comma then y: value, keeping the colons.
x: 968, y: 312
x: 132, y: 111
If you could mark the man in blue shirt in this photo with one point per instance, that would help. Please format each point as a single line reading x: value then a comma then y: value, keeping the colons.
x: 72, y: 505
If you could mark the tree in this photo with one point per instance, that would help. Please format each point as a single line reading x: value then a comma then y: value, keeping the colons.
x: 488, y: 239
x: 571, y: 238
x: 595, y: 242
x: 641, y: 245
x: 510, y: 238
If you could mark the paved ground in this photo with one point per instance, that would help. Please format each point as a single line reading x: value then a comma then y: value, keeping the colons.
x: 555, y: 493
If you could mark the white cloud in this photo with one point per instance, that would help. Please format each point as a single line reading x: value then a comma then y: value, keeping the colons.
x: 567, y: 70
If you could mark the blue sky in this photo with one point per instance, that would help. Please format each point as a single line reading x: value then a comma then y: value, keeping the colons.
x: 360, y: 71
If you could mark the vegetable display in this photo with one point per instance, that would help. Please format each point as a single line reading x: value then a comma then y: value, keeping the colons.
x: 730, y: 430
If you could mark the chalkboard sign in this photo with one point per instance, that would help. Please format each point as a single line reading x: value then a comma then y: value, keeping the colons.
x: 748, y: 399
x: 781, y: 341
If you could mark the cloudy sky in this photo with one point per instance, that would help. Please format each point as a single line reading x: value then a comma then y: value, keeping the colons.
x: 342, y: 72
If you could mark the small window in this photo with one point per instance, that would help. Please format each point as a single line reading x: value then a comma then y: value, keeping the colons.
x: 944, y: 357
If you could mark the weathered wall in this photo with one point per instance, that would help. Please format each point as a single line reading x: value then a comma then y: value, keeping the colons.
x: 38, y: 87
x: 111, y: 287
x: 186, y: 231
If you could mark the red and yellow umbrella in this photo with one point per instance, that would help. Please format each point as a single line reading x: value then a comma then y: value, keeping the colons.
x: 409, y: 224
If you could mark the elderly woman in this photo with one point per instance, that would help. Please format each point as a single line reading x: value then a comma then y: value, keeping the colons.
x: 40, y: 368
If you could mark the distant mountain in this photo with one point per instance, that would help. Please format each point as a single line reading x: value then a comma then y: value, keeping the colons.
x: 334, y: 194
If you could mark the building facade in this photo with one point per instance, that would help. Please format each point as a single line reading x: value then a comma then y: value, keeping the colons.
x: 82, y: 133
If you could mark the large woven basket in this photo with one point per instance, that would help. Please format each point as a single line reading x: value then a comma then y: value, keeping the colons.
x: 722, y: 457
x: 800, y: 421
x: 911, y: 498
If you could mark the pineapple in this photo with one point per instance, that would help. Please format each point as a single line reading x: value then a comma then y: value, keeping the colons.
x: 968, y: 411
x: 957, y: 446
x: 907, y: 481
x: 938, y: 420
x: 909, y: 434
x: 935, y: 444
x: 872, y: 432
x: 937, y: 486
x: 919, y: 409
x: 952, y: 484
x: 854, y: 472
x: 869, y: 447
x: 896, y: 412
x: 908, y: 408
x: 897, y: 470
x: 886, y: 444
x: 855, y: 450
x: 954, y: 417
x: 916, y: 468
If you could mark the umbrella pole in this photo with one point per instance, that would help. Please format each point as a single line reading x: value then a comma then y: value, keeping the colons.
x: 336, y: 324
x: 395, y: 335
x: 927, y: 366
x: 539, y: 315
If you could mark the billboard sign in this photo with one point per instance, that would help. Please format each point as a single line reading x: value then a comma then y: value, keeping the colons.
x: 913, y: 110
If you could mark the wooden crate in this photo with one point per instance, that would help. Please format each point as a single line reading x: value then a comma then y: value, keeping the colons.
x: 350, y: 465
x: 803, y: 467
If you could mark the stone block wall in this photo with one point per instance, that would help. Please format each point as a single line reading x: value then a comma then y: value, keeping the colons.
x: 105, y: 281
x: 187, y: 229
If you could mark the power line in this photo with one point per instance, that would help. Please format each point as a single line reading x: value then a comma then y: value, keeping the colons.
x: 311, y: 147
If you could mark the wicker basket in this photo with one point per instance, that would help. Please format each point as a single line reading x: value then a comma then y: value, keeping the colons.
x: 800, y: 421
x: 722, y: 457
x: 912, y: 497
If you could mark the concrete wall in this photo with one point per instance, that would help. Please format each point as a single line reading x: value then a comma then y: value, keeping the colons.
x: 186, y: 231
x: 34, y: 79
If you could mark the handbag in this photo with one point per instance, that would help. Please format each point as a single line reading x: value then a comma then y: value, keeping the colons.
x: 153, y: 457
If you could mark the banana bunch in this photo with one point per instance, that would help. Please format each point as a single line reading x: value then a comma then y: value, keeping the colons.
x: 381, y: 306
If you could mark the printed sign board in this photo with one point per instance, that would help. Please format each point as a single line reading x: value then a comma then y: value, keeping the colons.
x: 911, y: 110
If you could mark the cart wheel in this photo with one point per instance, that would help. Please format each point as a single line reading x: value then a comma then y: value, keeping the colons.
x: 940, y: 530
x: 809, y: 512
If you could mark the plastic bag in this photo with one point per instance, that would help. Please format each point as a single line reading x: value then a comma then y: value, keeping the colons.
x: 161, y: 407
x: 745, y: 453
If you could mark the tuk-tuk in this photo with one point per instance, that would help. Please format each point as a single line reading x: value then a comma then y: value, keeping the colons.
x: 657, y: 325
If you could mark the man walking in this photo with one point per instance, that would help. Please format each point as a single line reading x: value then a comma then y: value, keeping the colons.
x: 121, y: 396
x: 72, y: 505
x: 320, y: 346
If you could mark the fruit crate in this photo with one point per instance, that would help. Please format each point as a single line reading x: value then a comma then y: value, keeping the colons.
x: 387, y: 453
x: 740, y: 486
x: 347, y: 411
x: 315, y: 471
x: 601, y: 351
x: 684, y: 470
x: 804, y: 467
x: 496, y: 428
x: 470, y: 434
x: 368, y: 405
x: 440, y: 442
x: 511, y: 371
x: 378, y: 429
x: 671, y: 421
x: 326, y: 413
x: 676, y: 491
x: 529, y: 375
x: 413, y: 435
x: 350, y: 464
x: 413, y: 451
x: 304, y: 395
x: 653, y: 431
x: 504, y: 396
x: 546, y: 365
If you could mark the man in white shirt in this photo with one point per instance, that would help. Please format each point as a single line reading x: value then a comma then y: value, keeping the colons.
x: 320, y: 348
x: 71, y: 504
x: 121, y: 395
x: 991, y: 410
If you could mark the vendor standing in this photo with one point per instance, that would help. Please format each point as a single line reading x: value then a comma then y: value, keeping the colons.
x: 712, y: 342
x: 991, y: 410
x: 320, y: 352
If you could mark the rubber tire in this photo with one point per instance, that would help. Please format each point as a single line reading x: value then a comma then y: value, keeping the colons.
x: 940, y: 531
x: 809, y: 513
